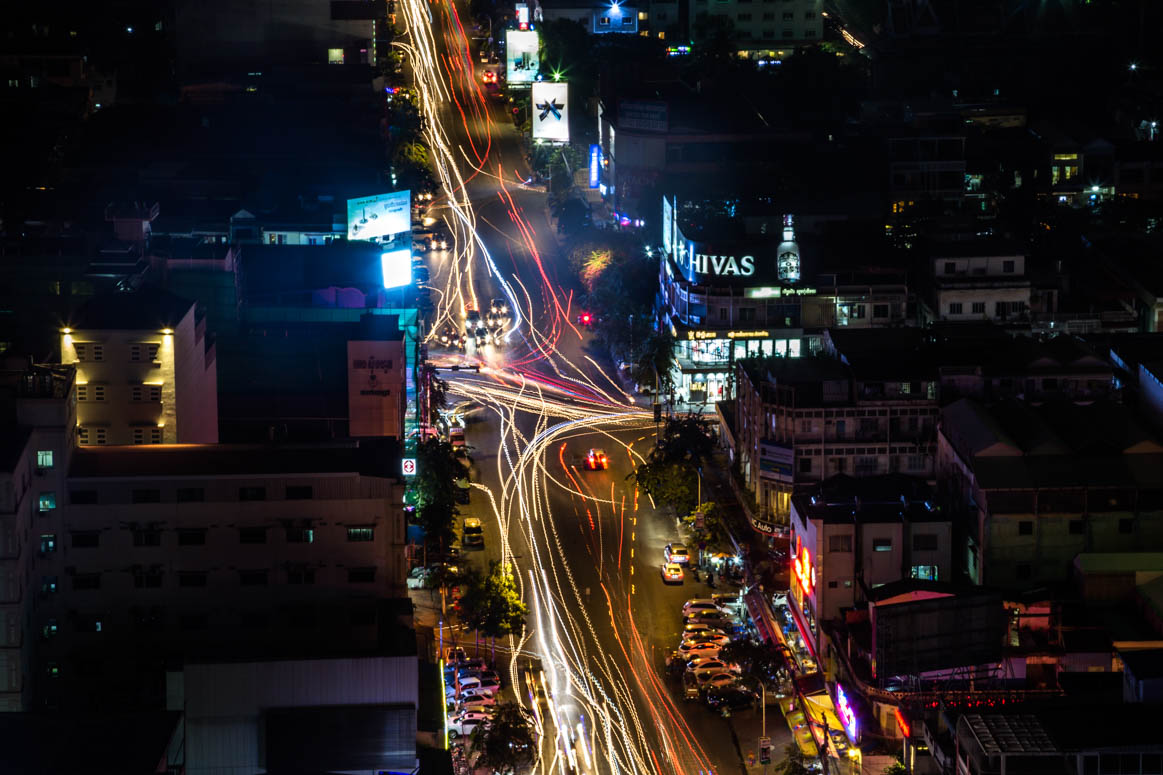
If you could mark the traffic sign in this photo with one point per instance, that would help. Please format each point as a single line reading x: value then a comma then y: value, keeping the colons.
x: 409, y: 466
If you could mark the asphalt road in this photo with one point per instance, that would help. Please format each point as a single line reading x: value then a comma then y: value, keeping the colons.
x: 586, y: 546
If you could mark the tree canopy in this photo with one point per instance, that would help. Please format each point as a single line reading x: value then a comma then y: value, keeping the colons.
x: 507, y: 743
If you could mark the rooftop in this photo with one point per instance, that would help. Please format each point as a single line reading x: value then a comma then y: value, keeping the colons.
x: 274, y: 271
x: 206, y: 460
x: 100, y: 744
x: 871, y: 499
x: 149, y: 308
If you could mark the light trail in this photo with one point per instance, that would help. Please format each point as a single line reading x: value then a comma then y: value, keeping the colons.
x: 606, y: 709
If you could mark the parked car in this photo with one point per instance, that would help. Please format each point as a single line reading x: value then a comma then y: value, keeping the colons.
x: 671, y: 573
x: 700, y: 649
x: 690, y: 629
x: 707, y: 617
x: 700, y: 637
x: 728, y: 600
x: 713, y: 666
x: 697, y: 604
x: 733, y: 697
x: 463, y: 724
x: 690, y: 687
x: 676, y: 552
x: 476, y: 702
x: 417, y: 578
x: 716, y: 680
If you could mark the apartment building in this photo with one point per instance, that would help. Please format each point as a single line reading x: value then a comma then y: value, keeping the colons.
x: 768, y: 29
x: 163, y: 551
x: 980, y: 282
x: 801, y: 421
x: 38, y: 406
x: 1034, y: 486
x: 851, y: 535
x: 146, y: 371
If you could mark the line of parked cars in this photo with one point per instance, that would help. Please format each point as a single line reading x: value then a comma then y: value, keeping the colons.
x: 471, y: 689
x: 710, y: 624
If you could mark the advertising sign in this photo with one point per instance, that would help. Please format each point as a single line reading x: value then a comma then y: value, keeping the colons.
x: 668, y: 226
x: 595, y: 166
x: 643, y: 115
x: 521, y: 56
x: 371, y: 217
x: 550, y: 116
x: 409, y: 466
x: 397, y: 268
x: 776, y: 462
x: 847, y: 714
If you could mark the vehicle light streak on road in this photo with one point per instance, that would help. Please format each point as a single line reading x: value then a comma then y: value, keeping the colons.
x: 543, y: 401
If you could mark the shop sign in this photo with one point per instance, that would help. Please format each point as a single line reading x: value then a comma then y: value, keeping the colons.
x: 846, y: 713
x: 777, y: 292
x: 702, y: 335
x: 748, y: 334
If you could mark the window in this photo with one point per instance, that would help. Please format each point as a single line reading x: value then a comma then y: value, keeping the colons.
x: 880, y: 310
x: 147, y: 578
x: 300, y: 535
x: 84, y: 582
x: 788, y: 34
x: 603, y: 21
x: 48, y: 543
x: 300, y: 575
x: 978, y: 308
x: 769, y: 17
x: 252, y: 493
x: 841, y: 543
x: 147, y: 536
x: 155, y: 435
x: 950, y: 267
x: 149, y: 495
x: 722, y: 313
x: 83, y: 497
x: 1126, y: 526
x: 1077, y: 527
x: 1023, y: 570
x: 924, y: 572
x: 86, y: 539
x: 191, y: 495
x: 882, y: 544
x: 917, y: 462
x: 1007, y: 267
x: 925, y: 542
x: 252, y: 535
x: 191, y: 536
x: 805, y: 465
x: 49, y: 629
x: 805, y: 426
x: 955, y: 308
x: 809, y: 15
x: 300, y: 492
x: 139, y: 435
x: 833, y: 584
x: 135, y: 352
x: 858, y: 310
x: 44, y: 458
x: 361, y: 534
x: 151, y: 393
x: 1026, y: 528
x: 192, y: 578
x: 361, y: 575
x: 788, y: 16
x: 253, y: 578
x: 89, y: 436
x: 47, y: 501
x: 98, y: 392
x: 48, y: 585
x: 744, y: 17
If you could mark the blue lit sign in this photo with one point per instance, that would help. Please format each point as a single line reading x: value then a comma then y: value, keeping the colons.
x: 846, y: 713
x: 595, y: 165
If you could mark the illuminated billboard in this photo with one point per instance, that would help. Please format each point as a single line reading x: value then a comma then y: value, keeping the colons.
x: 397, y: 268
x: 372, y: 217
x: 595, y: 166
x: 521, y: 56
x: 550, y: 114
x: 668, y: 226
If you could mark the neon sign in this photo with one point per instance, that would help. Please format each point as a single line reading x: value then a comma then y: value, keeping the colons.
x: 805, y: 571
x: 900, y: 722
x: 847, y: 715
x: 595, y: 165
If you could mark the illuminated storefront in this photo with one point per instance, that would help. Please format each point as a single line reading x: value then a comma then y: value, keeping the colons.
x: 802, y: 595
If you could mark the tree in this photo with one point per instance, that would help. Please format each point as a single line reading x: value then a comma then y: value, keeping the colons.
x: 438, y: 466
x: 670, y: 473
x: 507, y: 743
x: 443, y: 576
x: 655, y: 357
x: 793, y: 761
x: 896, y: 768
x: 705, y: 524
x: 437, y: 396
x: 491, y: 606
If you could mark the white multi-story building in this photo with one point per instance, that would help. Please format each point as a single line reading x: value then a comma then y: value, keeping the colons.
x: 146, y: 371
x: 977, y: 285
x: 768, y: 28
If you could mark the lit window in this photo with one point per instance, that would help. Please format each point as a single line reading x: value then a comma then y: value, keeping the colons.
x: 47, y: 501
x: 48, y: 543
x: 355, y: 534
x: 882, y: 544
x: 44, y: 458
x: 334, y: 56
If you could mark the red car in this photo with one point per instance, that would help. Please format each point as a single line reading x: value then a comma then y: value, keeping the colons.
x: 597, y: 460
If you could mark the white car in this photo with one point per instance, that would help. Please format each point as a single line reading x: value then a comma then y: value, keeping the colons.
x: 691, y: 629
x: 692, y: 650
x: 417, y: 578
x: 716, y: 680
x: 478, y: 702
x: 465, y: 723
x: 708, y: 617
x: 702, y: 637
x: 677, y: 553
x: 713, y: 666
x: 697, y: 604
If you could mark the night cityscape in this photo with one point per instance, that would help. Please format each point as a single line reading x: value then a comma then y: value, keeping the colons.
x: 582, y: 387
